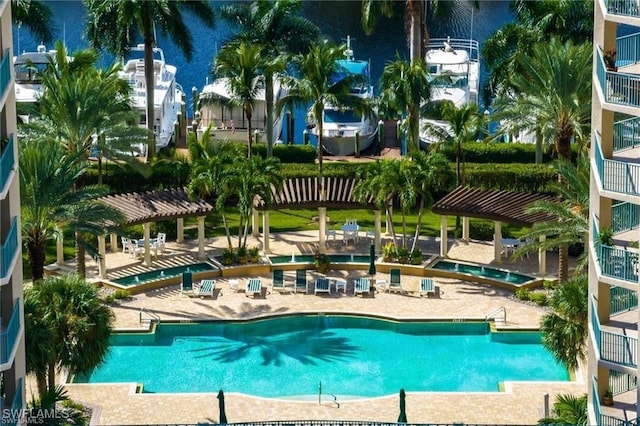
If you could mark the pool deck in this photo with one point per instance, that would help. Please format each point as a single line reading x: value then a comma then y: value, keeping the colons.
x: 519, y: 403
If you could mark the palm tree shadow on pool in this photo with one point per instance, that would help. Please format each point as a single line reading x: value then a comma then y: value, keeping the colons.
x: 305, y: 347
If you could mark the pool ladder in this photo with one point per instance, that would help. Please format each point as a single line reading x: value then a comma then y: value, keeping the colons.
x: 495, y: 314
x: 335, y: 398
x: 152, y: 317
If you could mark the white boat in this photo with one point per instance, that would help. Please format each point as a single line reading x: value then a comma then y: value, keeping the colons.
x: 454, y: 72
x: 339, y: 127
x: 168, y: 94
x: 216, y: 110
x: 28, y: 68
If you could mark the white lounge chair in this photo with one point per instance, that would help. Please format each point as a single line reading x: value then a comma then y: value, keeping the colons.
x: 362, y: 286
x: 427, y: 286
x: 254, y: 286
x: 322, y: 286
x: 395, y: 280
x: 205, y: 288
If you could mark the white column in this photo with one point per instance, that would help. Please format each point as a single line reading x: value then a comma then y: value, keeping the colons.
x: 378, y: 229
x: 255, y: 223
x: 113, y: 242
x: 465, y: 228
x: 497, y: 241
x: 201, y: 254
x: 542, y: 258
x: 265, y: 230
x: 444, y: 242
x: 59, y: 247
x: 102, y: 253
x: 322, y: 213
x: 180, y: 230
x: 147, y: 248
x: 388, y: 221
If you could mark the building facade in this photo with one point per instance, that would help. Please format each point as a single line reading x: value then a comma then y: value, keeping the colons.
x: 12, y: 352
x: 615, y: 214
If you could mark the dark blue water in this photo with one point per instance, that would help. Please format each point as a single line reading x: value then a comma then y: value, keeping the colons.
x: 336, y: 19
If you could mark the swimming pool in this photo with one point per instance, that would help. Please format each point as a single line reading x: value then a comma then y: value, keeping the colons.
x: 161, y: 274
x: 512, y: 278
x: 308, y: 258
x: 352, y: 357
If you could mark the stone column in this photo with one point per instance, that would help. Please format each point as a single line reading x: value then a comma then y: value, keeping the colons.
x: 265, y: 231
x: 378, y: 226
x: 542, y: 258
x: 322, y: 241
x: 255, y: 223
x: 59, y: 247
x: 465, y: 228
x: 113, y: 242
x: 102, y: 253
x: 497, y: 241
x: 444, y: 241
x: 180, y: 230
x: 147, y: 248
x: 201, y: 254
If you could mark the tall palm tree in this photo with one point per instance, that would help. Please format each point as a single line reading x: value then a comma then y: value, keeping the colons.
x: 405, y: 87
x: 35, y: 15
x: 564, y: 329
x: 462, y: 124
x: 315, y: 86
x: 115, y: 25
x: 242, y: 64
x: 279, y: 31
x: 66, y: 326
x: 552, y: 95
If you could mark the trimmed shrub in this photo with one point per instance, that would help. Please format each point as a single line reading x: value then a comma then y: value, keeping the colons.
x: 540, y: 299
x: 523, y: 294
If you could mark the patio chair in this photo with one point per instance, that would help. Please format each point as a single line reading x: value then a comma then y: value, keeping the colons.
x: 205, y: 288
x: 395, y: 281
x: 160, y: 242
x: 254, y: 286
x: 361, y: 286
x: 301, y: 281
x: 322, y: 286
x: 427, y: 286
x: 277, y: 282
x: 186, y: 285
x: 330, y: 233
x: 126, y: 243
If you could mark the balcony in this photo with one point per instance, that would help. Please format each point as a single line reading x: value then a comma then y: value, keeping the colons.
x: 616, y: 261
x: 10, y: 335
x: 5, y: 72
x: 7, y: 164
x: 622, y: 7
x: 623, y: 411
x: 9, y: 252
x: 621, y: 173
x: 622, y: 85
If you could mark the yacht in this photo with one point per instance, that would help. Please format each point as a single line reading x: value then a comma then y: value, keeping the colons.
x: 339, y: 126
x: 168, y: 95
x: 454, y: 73
x: 217, y: 110
x: 28, y: 68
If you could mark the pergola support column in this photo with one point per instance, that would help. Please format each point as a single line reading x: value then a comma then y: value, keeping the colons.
x: 59, y: 247
x: 497, y: 241
x: 255, y: 223
x: 201, y: 254
x: 265, y: 231
x: 444, y: 241
x: 102, y: 260
x: 180, y: 230
x: 542, y: 258
x: 147, y: 247
x: 113, y: 242
x: 322, y: 245
x: 465, y: 228
x: 378, y: 226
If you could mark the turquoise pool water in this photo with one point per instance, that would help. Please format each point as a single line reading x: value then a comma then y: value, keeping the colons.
x: 351, y: 356
x: 308, y: 258
x: 176, y: 271
x: 482, y: 271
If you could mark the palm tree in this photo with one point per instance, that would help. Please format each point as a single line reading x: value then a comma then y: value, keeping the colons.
x: 115, y: 25
x: 568, y: 410
x: 564, y: 329
x: 315, y: 86
x: 462, y: 124
x: 35, y: 15
x: 405, y: 87
x: 242, y: 64
x: 551, y: 96
x: 275, y: 27
x: 66, y: 326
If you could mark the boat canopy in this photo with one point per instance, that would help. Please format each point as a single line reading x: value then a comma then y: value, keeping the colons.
x: 347, y: 68
x: 447, y: 57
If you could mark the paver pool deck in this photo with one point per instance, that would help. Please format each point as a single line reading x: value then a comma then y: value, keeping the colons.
x: 518, y: 403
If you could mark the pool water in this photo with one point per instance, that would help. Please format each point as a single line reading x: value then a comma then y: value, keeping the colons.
x: 308, y: 258
x: 352, y: 357
x: 482, y: 271
x: 160, y: 274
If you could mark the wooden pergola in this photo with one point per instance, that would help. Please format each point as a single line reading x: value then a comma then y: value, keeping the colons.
x: 499, y: 206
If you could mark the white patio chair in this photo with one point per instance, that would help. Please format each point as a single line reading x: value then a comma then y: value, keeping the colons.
x: 161, y: 241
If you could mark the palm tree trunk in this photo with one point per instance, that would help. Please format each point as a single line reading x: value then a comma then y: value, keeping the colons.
x: 80, y: 255
x: 52, y: 376
x: 320, y: 113
x: 36, y: 247
x: 226, y: 229
x: 413, y: 141
x: 415, y: 237
x: 563, y: 264
x: 149, y: 77
x: 268, y: 96
x: 41, y: 382
x: 414, y: 22
x: 247, y: 111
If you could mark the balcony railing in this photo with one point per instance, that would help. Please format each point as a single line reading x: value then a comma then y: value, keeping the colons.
x: 9, y: 337
x: 626, y: 134
x: 7, y: 162
x: 622, y: 7
x: 15, y: 415
x: 5, y: 71
x: 621, y: 264
x: 622, y: 300
x: 625, y: 217
x: 616, y: 176
x: 613, y: 347
x: 9, y: 250
x: 620, y: 382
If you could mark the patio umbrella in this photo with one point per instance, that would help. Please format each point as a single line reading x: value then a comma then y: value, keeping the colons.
x: 402, y: 418
x: 372, y: 260
x: 223, y: 415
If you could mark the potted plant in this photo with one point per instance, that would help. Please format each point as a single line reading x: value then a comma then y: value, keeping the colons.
x: 254, y: 254
x: 388, y: 252
x: 322, y: 262
x: 607, y: 399
x: 403, y: 255
x: 228, y: 256
x: 609, y: 58
x: 243, y: 255
x: 605, y: 237
x: 415, y: 258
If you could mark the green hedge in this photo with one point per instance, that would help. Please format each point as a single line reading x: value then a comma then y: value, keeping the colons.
x: 493, y: 152
x: 510, y: 177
